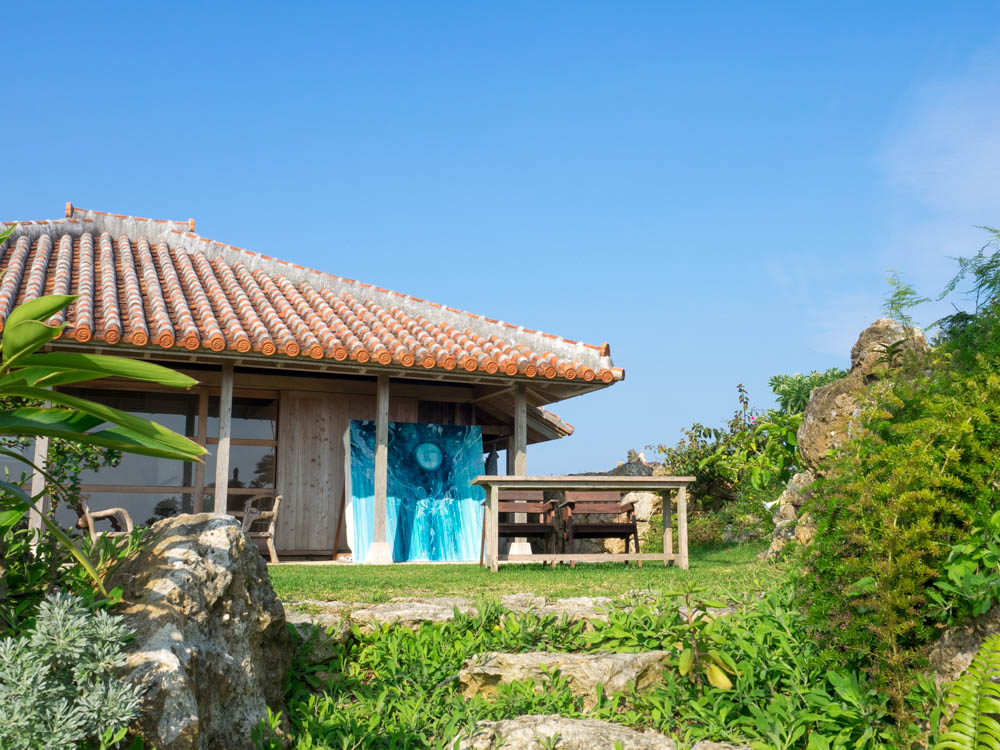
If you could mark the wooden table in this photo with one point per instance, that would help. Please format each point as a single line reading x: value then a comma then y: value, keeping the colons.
x: 494, y: 484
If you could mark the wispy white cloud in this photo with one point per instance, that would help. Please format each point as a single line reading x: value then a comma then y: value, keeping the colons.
x: 942, y: 166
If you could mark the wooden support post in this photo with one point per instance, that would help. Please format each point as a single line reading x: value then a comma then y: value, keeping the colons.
x: 668, y: 528
x: 38, y: 486
x: 199, y: 468
x: 517, y: 459
x: 682, y: 528
x: 490, y: 520
x: 379, y: 552
x: 225, y: 432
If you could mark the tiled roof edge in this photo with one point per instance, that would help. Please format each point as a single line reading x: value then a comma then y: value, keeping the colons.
x: 180, y: 234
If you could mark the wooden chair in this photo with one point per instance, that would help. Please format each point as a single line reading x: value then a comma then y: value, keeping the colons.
x: 598, y: 502
x: 531, y: 503
x: 259, y: 523
x: 121, y: 522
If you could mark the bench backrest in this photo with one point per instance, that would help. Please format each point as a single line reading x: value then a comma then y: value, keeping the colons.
x: 521, y: 501
x: 595, y: 501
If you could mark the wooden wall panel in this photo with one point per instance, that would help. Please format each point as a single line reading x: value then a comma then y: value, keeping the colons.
x: 311, y: 464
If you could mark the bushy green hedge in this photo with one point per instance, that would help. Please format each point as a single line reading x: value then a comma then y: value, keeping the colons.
x: 920, y: 476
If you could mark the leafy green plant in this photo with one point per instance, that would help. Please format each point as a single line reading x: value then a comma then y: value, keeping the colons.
x: 57, y: 685
x: 702, y: 655
x: 793, y: 391
x: 976, y: 697
x: 25, y: 374
x: 970, y: 585
x: 901, y: 299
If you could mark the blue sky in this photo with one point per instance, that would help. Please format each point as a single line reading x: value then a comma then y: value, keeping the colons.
x: 717, y: 190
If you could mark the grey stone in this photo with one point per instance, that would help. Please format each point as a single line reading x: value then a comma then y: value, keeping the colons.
x: 582, y: 672
x: 410, y: 613
x: 787, y: 525
x: 574, y: 608
x: 211, y: 650
x: 868, y: 355
x: 832, y: 413
x: 324, y: 634
x: 954, y: 651
x: 530, y: 732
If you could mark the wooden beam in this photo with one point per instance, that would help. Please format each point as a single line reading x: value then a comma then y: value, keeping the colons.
x: 38, y: 484
x: 225, y: 432
x: 380, y: 553
x: 520, y: 432
x: 199, y: 469
x: 517, y: 459
x: 590, y: 557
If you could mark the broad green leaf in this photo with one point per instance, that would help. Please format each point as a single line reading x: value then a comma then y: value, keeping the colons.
x: 168, y: 438
x: 39, y: 309
x: 717, y: 677
x: 24, y: 338
x: 103, y: 366
x: 10, y: 518
x: 118, y: 438
x: 686, y: 660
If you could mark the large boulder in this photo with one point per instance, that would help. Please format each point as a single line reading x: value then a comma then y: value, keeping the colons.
x: 870, y: 354
x: 533, y: 732
x: 831, y: 417
x: 211, y: 650
x: 582, y: 672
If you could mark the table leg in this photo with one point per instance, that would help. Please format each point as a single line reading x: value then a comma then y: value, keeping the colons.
x: 668, y: 529
x: 682, y: 528
x: 492, y: 528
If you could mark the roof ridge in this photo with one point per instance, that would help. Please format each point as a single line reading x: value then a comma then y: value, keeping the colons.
x: 161, y: 230
x: 186, y: 230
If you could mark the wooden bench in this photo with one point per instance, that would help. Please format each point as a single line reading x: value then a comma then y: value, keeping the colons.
x: 530, y: 503
x: 494, y: 485
x: 259, y: 523
x: 582, y: 503
x: 120, y: 520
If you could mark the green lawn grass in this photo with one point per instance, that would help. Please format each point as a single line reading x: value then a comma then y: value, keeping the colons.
x: 721, y: 570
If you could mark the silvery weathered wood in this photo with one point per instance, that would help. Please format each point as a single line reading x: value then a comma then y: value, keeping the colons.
x: 225, y: 432
x: 494, y: 484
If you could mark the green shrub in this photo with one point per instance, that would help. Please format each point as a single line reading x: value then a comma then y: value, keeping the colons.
x: 395, y: 688
x: 792, y: 391
x: 57, y: 684
x: 918, y: 477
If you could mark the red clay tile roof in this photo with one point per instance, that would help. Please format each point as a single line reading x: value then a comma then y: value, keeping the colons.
x: 152, y: 283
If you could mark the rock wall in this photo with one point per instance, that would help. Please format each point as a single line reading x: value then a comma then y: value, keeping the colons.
x: 211, y: 650
x: 832, y: 417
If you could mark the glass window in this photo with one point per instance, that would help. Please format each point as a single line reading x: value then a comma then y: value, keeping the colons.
x: 176, y: 411
x: 250, y: 466
x: 253, y: 418
x: 135, y: 469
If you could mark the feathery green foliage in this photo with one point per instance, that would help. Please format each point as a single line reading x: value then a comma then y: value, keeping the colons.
x: 976, y: 696
x: 58, y: 686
